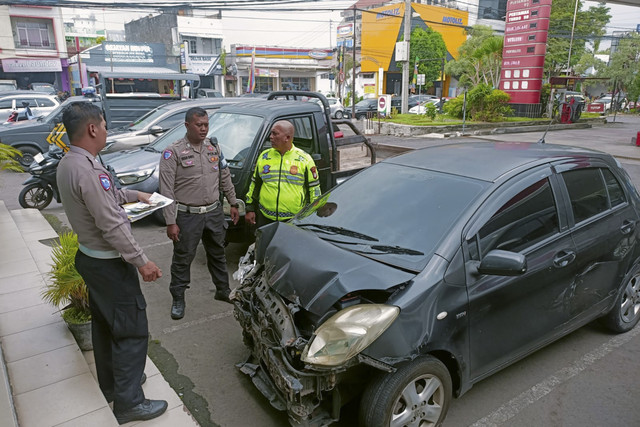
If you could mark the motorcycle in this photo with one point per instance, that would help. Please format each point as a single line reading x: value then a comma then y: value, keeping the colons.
x: 42, y: 186
x: 25, y: 114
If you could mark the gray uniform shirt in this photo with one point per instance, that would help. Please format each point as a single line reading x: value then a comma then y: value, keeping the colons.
x: 190, y: 176
x: 92, y: 204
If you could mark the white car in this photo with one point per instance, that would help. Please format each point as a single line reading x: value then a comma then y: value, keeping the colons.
x: 336, y: 107
x: 420, y: 108
x: 40, y: 104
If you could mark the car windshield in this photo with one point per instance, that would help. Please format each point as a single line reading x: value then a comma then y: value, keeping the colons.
x: 147, y: 119
x: 408, y: 212
x: 235, y: 133
x: 168, y: 138
x: 363, y: 103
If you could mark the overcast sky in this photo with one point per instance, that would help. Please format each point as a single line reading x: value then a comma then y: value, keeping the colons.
x: 310, y: 29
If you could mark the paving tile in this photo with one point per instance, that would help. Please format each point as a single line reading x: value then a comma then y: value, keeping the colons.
x: 8, y: 269
x: 36, y: 341
x: 103, y: 417
x: 21, y: 281
x: 14, y: 253
x: 150, y: 368
x: 59, y: 402
x: 35, y: 236
x: 46, y: 368
x: 28, y: 318
x: 20, y: 299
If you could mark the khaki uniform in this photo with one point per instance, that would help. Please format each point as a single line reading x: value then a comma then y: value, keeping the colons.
x: 105, y: 260
x: 193, y: 176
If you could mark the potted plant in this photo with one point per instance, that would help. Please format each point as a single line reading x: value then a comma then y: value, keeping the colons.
x: 67, y: 288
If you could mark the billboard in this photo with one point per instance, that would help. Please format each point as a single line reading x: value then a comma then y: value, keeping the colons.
x: 525, y: 46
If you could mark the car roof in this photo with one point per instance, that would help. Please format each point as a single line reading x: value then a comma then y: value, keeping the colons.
x: 201, y: 102
x: 16, y: 93
x: 488, y: 161
x: 271, y: 108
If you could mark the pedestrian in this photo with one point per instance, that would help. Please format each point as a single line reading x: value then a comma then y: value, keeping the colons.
x: 107, y: 259
x: 284, y: 181
x: 194, y: 173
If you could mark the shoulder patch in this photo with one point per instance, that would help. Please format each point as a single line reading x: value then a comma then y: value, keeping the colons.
x: 105, y: 181
x: 166, y: 154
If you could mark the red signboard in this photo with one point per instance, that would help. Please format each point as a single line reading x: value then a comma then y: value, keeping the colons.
x: 595, y: 107
x: 525, y: 41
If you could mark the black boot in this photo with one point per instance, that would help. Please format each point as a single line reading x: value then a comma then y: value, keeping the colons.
x: 223, y: 296
x: 177, y: 308
x: 146, y: 410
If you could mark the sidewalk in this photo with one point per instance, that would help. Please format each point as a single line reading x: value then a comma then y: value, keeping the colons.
x: 45, y: 379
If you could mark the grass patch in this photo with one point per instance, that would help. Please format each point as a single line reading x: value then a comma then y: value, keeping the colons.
x: 445, y: 120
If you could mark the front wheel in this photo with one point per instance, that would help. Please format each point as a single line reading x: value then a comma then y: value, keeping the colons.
x: 626, y: 311
x: 27, y: 158
x: 338, y: 114
x: 419, y: 394
x: 35, y: 196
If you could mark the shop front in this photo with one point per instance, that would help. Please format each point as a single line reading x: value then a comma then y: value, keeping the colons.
x: 43, y: 70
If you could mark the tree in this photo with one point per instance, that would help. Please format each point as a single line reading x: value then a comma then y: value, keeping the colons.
x: 428, y: 47
x: 623, y: 65
x: 590, y: 27
x: 480, y: 58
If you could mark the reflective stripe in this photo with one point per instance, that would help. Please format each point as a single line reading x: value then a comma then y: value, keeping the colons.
x: 273, y: 214
x: 94, y: 253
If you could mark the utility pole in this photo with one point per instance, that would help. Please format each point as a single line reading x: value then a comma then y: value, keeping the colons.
x: 353, y: 68
x: 405, y: 64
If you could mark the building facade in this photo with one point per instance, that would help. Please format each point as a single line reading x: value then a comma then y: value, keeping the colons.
x: 34, y: 49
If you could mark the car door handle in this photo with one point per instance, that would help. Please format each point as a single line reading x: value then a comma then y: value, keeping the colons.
x: 564, y: 258
x: 628, y: 226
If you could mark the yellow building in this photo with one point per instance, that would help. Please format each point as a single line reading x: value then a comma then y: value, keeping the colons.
x: 383, y: 27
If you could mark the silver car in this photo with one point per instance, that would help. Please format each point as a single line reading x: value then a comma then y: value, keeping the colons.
x: 40, y: 104
x: 337, y: 109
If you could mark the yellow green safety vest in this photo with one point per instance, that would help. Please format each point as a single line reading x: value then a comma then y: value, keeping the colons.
x: 282, y: 185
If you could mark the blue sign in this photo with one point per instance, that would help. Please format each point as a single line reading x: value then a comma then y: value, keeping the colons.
x: 345, y: 42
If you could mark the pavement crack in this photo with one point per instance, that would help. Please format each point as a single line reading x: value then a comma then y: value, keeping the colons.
x: 200, y: 321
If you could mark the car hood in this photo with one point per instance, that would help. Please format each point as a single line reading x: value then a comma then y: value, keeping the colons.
x: 132, y: 160
x: 23, y: 126
x: 314, y: 273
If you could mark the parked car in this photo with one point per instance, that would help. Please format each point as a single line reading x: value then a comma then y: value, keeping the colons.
x: 501, y: 249
x: 43, y: 87
x: 363, y: 108
x: 6, y: 85
x: 423, y: 98
x: 336, y: 107
x: 396, y: 102
x: 40, y: 104
x: 421, y: 108
x: 157, y: 121
x: 208, y: 93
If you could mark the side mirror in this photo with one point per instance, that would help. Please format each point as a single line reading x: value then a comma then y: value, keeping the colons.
x: 154, y: 130
x: 503, y: 263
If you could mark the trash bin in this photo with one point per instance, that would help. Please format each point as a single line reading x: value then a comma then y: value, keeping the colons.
x: 565, y: 112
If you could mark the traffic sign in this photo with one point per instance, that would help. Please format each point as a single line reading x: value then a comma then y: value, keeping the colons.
x: 382, y: 104
x: 341, y: 76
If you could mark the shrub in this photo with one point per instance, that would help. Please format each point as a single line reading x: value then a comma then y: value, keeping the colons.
x: 454, y: 107
x: 430, y: 111
x: 8, y: 156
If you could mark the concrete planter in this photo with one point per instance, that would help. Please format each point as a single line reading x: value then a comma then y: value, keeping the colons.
x: 82, y: 334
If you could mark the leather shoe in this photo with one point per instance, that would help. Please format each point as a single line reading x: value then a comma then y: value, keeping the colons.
x: 222, y: 296
x: 177, y: 308
x: 109, y: 397
x: 146, y: 410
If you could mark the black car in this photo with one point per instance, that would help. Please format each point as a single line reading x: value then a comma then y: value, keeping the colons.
x: 364, y: 108
x: 427, y: 272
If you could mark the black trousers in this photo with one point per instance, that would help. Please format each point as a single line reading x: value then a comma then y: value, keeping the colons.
x: 119, y: 327
x: 211, y: 229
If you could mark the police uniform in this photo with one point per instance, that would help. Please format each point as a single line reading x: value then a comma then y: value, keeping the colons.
x: 193, y: 176
x: 282, y: 185
x: 107, y: 259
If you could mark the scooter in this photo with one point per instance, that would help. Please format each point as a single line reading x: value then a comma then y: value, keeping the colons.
x: 42, y: 187
x: 16, y: 116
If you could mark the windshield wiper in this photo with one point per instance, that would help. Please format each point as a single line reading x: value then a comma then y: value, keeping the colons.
x: 150, y: 148
x: 330, y: 229
x: 399, y: 250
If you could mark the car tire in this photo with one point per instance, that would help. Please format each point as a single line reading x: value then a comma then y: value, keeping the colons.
x: 338, y: 114
x: 626, y: 310
x: 27, y: 156
x: 426, y: 380
x: 35, y: 196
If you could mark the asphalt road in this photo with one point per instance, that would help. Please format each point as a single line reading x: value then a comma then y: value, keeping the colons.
x: 586, y: 379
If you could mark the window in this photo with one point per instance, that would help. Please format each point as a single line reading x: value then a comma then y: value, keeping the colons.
x: 616, y: 195
x: 5, y: 103
x: 33, y: 34
x: 531, y: 49
x: 190, y: 44
x: 303, y: 135
x: 526, y: 219
x: 172, y: 120
x: 211, y: 46
x: 587, y: 192
x: 295, y: 83
x: 44, y: 102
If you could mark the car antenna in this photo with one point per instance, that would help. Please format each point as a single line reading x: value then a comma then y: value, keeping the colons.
x: 541, y: 140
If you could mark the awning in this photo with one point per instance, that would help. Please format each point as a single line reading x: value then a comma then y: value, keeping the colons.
x: 139, y: 74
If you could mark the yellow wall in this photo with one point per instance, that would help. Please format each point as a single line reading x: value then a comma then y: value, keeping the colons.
x: 380, y: 33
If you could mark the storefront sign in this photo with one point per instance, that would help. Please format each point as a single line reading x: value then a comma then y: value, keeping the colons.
x: 345, y: 30
x: 265, y: 72
x: 318, y: 54
x: 31, y: 65
x: 128, y: 52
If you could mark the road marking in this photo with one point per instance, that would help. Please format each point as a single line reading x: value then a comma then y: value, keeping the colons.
x: 538, y: 391
x: 153, y: 245
x: 186, y: 325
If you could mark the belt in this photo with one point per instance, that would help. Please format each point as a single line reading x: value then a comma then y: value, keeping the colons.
x: 94, y: 253
x: 198, y: 209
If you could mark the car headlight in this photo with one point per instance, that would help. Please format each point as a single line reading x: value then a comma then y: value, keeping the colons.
x: 129, y: 178
x: 347, y: 333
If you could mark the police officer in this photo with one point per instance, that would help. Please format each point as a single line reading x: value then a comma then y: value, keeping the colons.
x: 285, y: 179
x: 107, y: 259
x: 193, y: 172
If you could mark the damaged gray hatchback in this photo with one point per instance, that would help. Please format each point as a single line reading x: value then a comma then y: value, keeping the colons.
x: 427, y: 272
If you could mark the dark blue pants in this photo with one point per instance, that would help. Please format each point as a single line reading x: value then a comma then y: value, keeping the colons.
x: 119, y: 327
x: 211, y: 229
